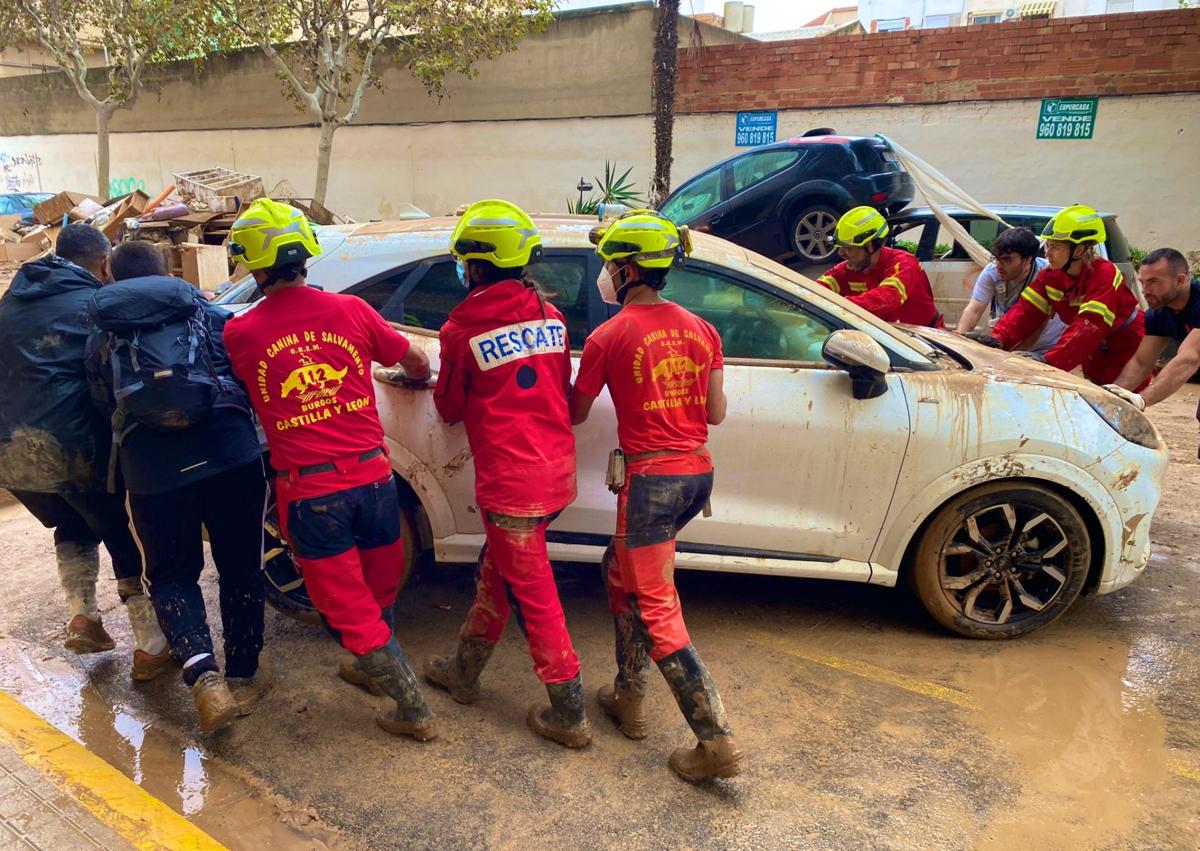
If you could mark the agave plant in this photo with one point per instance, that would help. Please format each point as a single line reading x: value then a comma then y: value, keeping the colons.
x: 613, y: 190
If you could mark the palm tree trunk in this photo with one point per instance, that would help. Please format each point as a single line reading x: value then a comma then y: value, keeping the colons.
x: 663, y: 80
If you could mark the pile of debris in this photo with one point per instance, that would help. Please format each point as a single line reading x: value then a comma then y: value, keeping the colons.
x: 190, y: 221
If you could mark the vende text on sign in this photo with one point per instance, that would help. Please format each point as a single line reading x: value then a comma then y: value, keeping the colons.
x: 1067, y: 118
x: 755, y: 128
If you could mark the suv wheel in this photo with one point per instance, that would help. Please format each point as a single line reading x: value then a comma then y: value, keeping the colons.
x: 810, y: 232
x: 1002, y: 560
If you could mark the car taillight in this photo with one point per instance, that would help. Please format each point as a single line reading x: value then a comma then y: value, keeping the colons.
x: 879, y: 197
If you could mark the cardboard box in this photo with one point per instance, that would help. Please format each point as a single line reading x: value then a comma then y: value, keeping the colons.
x: 204, y: 266
x: 51, y: 211
x: 137, y: 200
x: 19, y: 252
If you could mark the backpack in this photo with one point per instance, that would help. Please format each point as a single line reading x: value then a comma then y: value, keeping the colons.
x: 156, y: 342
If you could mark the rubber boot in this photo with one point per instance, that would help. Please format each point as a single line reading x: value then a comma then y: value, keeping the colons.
x: 215, y: 704
x: 623, y: 701
x: 350, y: 671
x: 78, y: 567
x: 565, y: 719
x: 248, y: 691
x: 389, y: 669
x: 459, y: 674
x: 715, y: 755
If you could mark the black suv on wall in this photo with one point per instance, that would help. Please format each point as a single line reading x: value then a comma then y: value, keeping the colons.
x: 783, y: 200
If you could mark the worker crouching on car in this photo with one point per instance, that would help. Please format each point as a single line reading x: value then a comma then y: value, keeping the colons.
x: 505, y: 373
x: 305, y: 356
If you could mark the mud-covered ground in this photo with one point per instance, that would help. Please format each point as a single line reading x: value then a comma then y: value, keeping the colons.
x: 865, y: 726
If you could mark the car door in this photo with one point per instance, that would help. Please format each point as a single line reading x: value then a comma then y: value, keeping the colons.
x: 804, y: 472
x: 756, y: 183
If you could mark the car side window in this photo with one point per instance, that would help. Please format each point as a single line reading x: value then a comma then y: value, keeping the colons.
x: 560, y: 278
x: 7, y: 206
x: 700, y: 196
x: 379, y: 293
x: 752, y: 323
x: 755, y: 168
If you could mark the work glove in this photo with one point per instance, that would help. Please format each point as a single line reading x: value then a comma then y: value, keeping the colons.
x: 1129, y: 396
x: 397, y: 377
x: 1037, y: 356
x: 985, y: 338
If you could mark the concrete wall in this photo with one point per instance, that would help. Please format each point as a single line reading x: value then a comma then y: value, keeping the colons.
x: 1141, y: 163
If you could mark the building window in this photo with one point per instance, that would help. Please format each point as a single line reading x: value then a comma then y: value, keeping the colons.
x: 936, y: 21
x: 889, y: 25
x: 1115, y: 6
x: 986, y: 17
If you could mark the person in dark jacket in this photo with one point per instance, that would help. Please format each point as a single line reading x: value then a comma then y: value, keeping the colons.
x: 53, y: 442
x: 209, y: 474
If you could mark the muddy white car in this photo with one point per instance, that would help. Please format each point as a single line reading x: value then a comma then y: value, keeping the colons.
x: 999, y: 488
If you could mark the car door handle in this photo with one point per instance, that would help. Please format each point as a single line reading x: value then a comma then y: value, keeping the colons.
x: 715, y: 219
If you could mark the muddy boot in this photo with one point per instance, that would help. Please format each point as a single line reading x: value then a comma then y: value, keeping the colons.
x: 623, y: 700
x: 715, y: 755
x: 248, y: 691
x: 459, y: 674
x: 215, y: 704
x: 565, y: 719
x: 349, y: 670
x: 85, y: 635
x: 389, y: 669
x: 151, y: 656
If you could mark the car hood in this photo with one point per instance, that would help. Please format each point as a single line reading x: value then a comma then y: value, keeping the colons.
x: 1001, y: 365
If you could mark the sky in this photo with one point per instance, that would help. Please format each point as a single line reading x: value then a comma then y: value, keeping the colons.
x: 769, y: 15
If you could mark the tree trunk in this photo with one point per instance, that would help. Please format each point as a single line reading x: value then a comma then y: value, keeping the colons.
x: 324, y: 152
x: 663, y: 79
x: 103, y: 115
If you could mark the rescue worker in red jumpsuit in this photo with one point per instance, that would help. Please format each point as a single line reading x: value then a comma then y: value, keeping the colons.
x: 505, y: 373
x: 305, y: 357
x: 1104, y: 323
x: 888, y: 282
x: 663, y: 368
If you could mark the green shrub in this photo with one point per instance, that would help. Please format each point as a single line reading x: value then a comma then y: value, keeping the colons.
x: 1137, y: 255
x: 906, y: 245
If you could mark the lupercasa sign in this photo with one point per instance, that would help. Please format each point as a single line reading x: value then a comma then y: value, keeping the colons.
x: 1067, y: 118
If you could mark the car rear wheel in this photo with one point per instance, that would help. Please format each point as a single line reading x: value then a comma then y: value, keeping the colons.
x: 285, y: 589
x: 811, y: 231
x: 1002, y: 560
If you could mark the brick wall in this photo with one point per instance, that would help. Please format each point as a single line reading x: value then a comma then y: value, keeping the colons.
x: 1127, y: 54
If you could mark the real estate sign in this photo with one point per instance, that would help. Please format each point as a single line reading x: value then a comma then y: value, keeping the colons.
x: 1067, y: 118
x: 755, y: 128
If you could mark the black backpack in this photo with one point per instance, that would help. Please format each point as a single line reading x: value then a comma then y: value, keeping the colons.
x: 156, y: 342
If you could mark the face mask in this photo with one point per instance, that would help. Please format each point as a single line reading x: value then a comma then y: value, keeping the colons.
x: 607, y: 287
x: 462, y: 273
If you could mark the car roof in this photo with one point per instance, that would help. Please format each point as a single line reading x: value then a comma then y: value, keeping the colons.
x: 1002, y: 210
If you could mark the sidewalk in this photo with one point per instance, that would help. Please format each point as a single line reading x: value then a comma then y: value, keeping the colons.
x: 34, y: 813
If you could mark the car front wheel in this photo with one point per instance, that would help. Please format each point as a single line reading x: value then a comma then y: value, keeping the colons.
x: 812, y: 231
x: 1001, y: 561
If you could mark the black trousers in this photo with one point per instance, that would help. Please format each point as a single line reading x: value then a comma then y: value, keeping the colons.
x: 88, y: 518
x: 230, y: 506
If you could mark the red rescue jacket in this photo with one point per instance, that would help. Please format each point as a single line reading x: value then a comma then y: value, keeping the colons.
x: 896, y: 288
x: 1096, y: 305
x: 505, y: 373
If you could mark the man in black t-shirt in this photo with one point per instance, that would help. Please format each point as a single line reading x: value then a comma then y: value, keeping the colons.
x: 209, y: 474
x: 1174, y: 314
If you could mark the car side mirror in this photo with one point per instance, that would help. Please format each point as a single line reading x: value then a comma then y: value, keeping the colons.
x: 861, y: 356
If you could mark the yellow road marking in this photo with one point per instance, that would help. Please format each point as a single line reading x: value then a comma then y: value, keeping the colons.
x: 866, y: 670
x: 140, y: 818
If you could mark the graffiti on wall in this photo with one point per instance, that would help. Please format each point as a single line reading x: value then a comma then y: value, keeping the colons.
x: 20, y: 172
x: 125, y: 185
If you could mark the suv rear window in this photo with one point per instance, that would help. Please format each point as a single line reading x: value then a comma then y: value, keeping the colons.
x: 755, y: 168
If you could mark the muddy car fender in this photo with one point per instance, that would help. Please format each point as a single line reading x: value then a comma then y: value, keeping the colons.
x: 905, y: 521
x: 425, y: 485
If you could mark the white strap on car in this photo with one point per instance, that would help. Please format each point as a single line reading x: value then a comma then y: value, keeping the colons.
x: 937, y: 189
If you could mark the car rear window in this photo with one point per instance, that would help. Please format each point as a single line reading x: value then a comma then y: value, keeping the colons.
x: 757, y: 167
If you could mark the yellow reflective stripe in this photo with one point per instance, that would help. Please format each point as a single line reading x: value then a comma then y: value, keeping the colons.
x: 898, y: 285
x: 1118, y: 279
x: 1057, y: 295
x: 1035, y: 298
x: 858, y: 286
x: 830, y: 282
x: 1100, y: 308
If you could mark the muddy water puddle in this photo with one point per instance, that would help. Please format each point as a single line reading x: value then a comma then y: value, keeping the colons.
x: 1080, y: 720
x: 235, y: 809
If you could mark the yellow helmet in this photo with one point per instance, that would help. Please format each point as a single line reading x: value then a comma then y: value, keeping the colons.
x: 270, y: 233
x: 1077, y: 224
x: 860, y: 226
x: 499, y: 232
x: 645, y: 237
